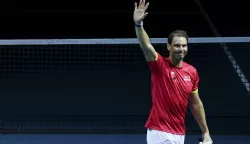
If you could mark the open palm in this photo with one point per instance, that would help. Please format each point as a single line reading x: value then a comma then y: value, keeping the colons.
x: 139, y: 12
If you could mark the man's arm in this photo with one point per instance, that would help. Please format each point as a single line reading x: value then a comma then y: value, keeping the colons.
x: 139, y: 14
x: 198, y: 111
x: 148, y: 50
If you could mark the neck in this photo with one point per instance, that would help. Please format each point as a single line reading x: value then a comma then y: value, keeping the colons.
x: 175, y: 62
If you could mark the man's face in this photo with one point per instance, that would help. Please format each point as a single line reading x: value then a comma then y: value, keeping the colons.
x: 178, y: 48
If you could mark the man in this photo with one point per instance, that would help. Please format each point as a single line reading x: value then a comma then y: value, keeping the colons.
x: 174, y: 85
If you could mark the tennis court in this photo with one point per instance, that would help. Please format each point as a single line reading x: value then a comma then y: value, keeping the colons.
x: 106, y: 139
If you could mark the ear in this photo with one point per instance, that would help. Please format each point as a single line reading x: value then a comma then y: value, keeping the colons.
x: 168, y: 46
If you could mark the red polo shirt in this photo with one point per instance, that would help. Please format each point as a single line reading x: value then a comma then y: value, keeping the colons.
x: 171, y: 88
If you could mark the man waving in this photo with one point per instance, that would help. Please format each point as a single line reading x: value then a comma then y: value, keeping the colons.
x: 174, y: 85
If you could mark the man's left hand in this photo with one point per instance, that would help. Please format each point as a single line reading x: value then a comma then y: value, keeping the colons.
x: 206, y: 139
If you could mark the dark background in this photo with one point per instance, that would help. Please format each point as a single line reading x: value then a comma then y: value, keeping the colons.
x: 106, y: 88
x: 112, y: 19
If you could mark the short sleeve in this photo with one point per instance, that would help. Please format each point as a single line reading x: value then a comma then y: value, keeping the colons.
x: 196, y: 82
x: 157, y: 65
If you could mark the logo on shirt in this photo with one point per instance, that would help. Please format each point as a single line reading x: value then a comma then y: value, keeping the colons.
x: 187, y: 78
x: 173, y: 76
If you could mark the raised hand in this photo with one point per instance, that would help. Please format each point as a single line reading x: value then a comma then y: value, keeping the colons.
x: 140, y: 11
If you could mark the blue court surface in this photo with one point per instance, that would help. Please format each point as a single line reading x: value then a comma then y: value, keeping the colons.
x: 105, y: 139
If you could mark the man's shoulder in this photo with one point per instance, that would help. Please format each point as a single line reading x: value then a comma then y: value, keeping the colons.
x: 163, y: 58
x: 189, y: 67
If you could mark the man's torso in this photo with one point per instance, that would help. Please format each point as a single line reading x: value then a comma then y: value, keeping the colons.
x: 171, y: 87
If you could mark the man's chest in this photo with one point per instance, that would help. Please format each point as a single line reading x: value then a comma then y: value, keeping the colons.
x: 181, y: 80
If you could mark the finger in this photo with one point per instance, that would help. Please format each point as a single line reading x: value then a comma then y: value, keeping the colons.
x: 144, y: 15
x: 206, y: 142
x: 140, y: 4
x: 146, y: 7
x: 135, y: 5
x: 143, y: 3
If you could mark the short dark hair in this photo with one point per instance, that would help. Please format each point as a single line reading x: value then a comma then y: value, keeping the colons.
x: 178, y: 33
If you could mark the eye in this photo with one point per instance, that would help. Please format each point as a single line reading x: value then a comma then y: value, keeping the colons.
x: 177, y: 45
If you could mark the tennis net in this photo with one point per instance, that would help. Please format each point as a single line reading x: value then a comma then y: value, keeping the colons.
x: 77, y: 83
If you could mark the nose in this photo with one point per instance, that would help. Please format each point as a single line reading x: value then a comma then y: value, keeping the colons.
x: 181, y: 48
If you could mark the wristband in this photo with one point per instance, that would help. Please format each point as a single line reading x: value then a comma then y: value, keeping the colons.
x: 140, y: 24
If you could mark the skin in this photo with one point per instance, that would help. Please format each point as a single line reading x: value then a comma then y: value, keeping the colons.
x: 178, y: 49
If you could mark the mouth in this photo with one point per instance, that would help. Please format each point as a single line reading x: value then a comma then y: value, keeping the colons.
x: 180, y: 54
